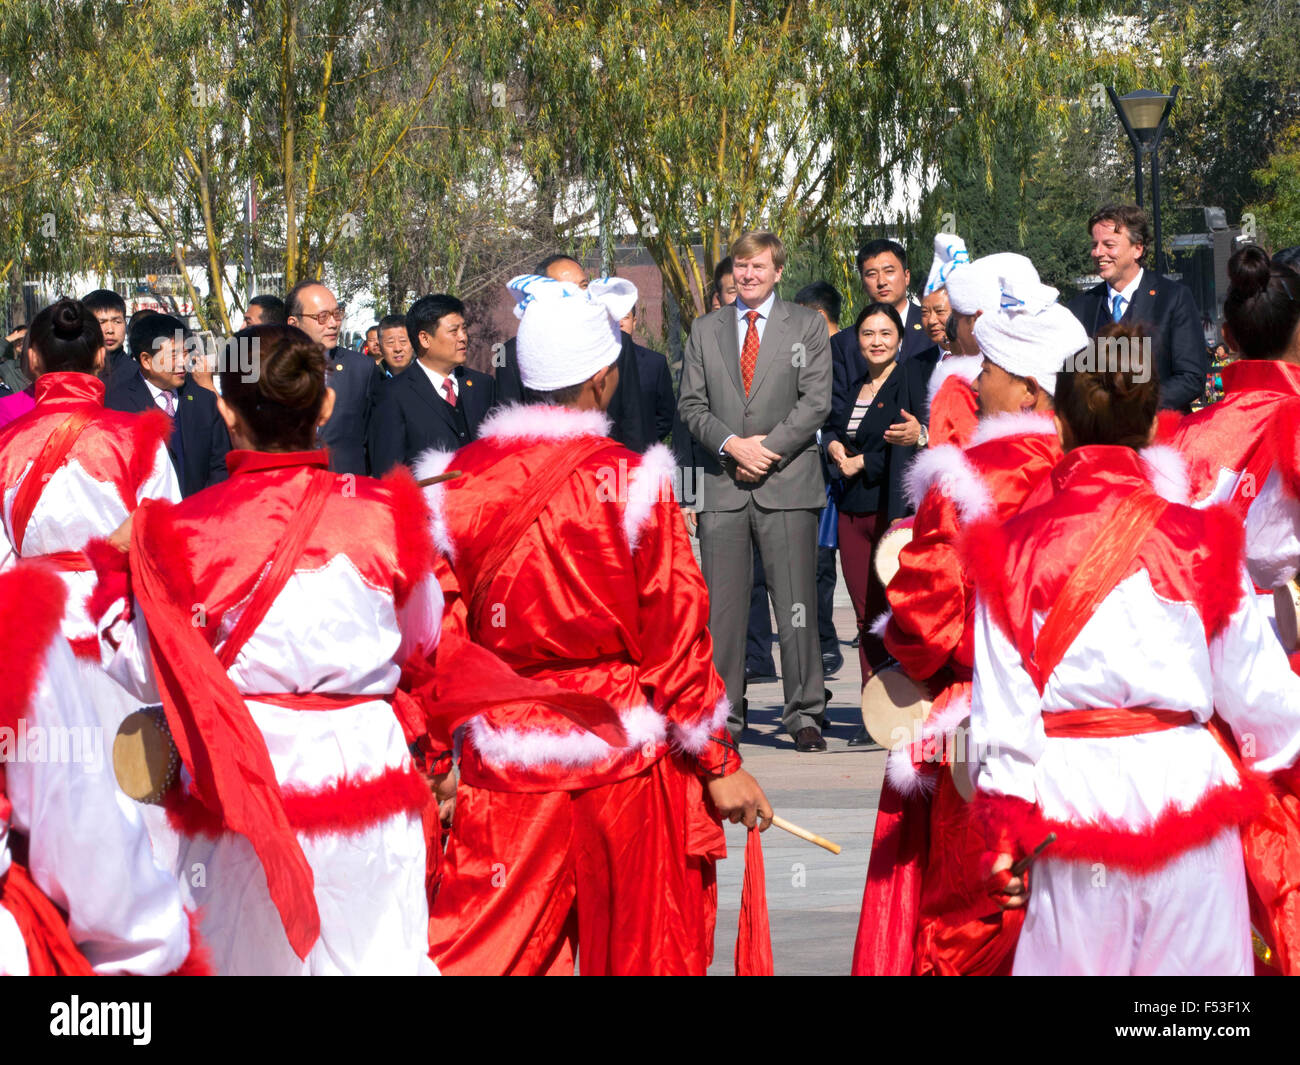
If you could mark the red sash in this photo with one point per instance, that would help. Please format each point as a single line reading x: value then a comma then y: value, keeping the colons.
x: 1103, y: 566
x: 215, y: 735
x: 50, y: 459
x: 1105, y: 722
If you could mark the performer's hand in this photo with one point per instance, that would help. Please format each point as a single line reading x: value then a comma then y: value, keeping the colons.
x: 444, y: 790
x: 906, y: 432
x: 738, y: 798
x: 121, y: 536
x: 750, y: 454
x: 692, y: 520
x: 1014, y: 893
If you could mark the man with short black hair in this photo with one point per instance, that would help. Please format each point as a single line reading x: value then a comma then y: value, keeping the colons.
x: 313, y: 308
x: 109, y: 310
x: 724, y: 282
x: 266, y: 310
x: 1160, y: 306
x: 394, y: 345
x: 882, y: 266
x: 440, y: 402
x: 658, y: 404
x: 199, y: 439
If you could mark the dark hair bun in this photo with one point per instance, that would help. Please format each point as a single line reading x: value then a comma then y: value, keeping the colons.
x: 67, y: 319
x: 293, y: 378
x: 1248, y: 271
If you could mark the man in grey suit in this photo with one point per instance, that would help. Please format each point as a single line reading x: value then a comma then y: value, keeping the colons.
x: 755, y: 388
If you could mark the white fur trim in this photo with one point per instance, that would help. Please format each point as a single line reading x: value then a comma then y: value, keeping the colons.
x: 532, y: 749
x: 878, y: 626
x: 902, y: 773
x: 693, y: 738
x: 967, y: 367
x: 1167, y: 470
x: 539, y: 421
x: 947, y: 469
x: 429, y: 464
x: 904, y: 777
x: 645, y: 488
x: 1022, y: 423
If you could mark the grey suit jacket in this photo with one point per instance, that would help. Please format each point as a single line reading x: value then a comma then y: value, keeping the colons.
x: 788, y: 402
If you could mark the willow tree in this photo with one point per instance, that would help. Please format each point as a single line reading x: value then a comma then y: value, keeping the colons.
x: 153, y: 120
x: 704, y: 119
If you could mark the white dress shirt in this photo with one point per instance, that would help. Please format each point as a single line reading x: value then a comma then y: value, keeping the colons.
x: 438, y: 379
x: 1127, y: 292
x: 157, y: 394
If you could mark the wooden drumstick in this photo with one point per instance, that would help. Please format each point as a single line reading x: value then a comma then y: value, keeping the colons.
x: 450, y: 475
x: 803, y: 833
x: 1028, y: 860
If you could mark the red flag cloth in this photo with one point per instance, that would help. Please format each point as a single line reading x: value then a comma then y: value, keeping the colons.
x: 50, y: 950
x: 891, y: 899
x: 219, y: 742
x: 754, y: 940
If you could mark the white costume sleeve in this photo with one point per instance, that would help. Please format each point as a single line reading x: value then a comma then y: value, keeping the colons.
x: 124, y: 651
x: 1006, y: 713
x: 420, y: 619
x: 162, y: 482
x: 1273, y: 534
x: 87, y: 845
x: 1255, y: 691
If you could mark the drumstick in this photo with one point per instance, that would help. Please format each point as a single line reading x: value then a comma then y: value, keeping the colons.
x: 1028, y: 859
x: 803, y: 833
x: 448, y: 476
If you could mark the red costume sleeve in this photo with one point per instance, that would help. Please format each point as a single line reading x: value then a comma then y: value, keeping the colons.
x: 676, y: 662
x: 928, y: 594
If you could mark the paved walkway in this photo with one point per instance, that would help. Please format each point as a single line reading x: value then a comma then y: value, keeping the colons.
x: 813, y: 896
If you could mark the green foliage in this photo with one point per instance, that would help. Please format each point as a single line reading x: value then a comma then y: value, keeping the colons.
x: 1278, y: 213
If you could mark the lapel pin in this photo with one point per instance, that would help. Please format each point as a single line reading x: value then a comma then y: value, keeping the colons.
x: 338, y: 366
x: 469, y: 384
x: 1151, y: 292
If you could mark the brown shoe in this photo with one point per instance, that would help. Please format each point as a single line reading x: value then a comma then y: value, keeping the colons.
x: 808, y: 739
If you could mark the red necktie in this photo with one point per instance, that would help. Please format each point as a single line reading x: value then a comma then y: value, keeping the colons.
x: 449, y: 391
x: 749, y: 353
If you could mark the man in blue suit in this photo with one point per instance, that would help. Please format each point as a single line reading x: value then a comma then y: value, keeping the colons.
x: 1162, y: 308
x: 157, y: 380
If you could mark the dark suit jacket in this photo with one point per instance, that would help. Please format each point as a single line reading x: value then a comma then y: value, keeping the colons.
x: 880, y: 484
x: 198, y: 429
x: 509, y: 385
x: 410, y: 416
x: 847, y: 363
x: 1165, y: 309
x: 658, y: 404
x: 352, y: 377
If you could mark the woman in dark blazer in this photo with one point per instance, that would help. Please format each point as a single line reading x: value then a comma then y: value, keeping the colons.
x: 877, y: 428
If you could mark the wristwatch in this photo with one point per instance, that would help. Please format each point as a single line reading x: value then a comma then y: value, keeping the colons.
x: 924, y: 438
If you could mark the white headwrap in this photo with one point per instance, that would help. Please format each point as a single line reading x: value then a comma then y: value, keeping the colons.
x: 1031, y: 343
x: 1004, y: 281
x: 949, y: 252
x: 566, y: 333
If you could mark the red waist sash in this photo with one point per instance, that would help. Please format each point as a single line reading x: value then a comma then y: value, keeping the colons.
x: 317, y: 700
x: 1104, y: 722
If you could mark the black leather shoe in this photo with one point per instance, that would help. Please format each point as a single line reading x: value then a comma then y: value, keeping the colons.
x: 766, y: 675
x: 831, y: 664
x: 808, y: 739
x: 863, y: 739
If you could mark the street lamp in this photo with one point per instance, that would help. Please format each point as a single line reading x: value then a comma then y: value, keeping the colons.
x: 1144, y: 115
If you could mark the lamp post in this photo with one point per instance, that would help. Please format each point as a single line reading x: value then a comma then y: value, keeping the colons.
x: 1144, y: 115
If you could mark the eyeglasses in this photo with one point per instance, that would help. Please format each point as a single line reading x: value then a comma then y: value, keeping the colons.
x: 336, y: 314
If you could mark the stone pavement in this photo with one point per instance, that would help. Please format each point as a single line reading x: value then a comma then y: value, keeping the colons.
x: 813, y: 896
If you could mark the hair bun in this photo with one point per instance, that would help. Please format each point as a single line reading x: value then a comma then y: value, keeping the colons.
x: 1249, y: 270
x: 294, y: 379
x: 67, y: 321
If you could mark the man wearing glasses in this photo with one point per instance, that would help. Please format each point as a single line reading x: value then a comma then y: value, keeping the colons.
x: 314, y: 309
